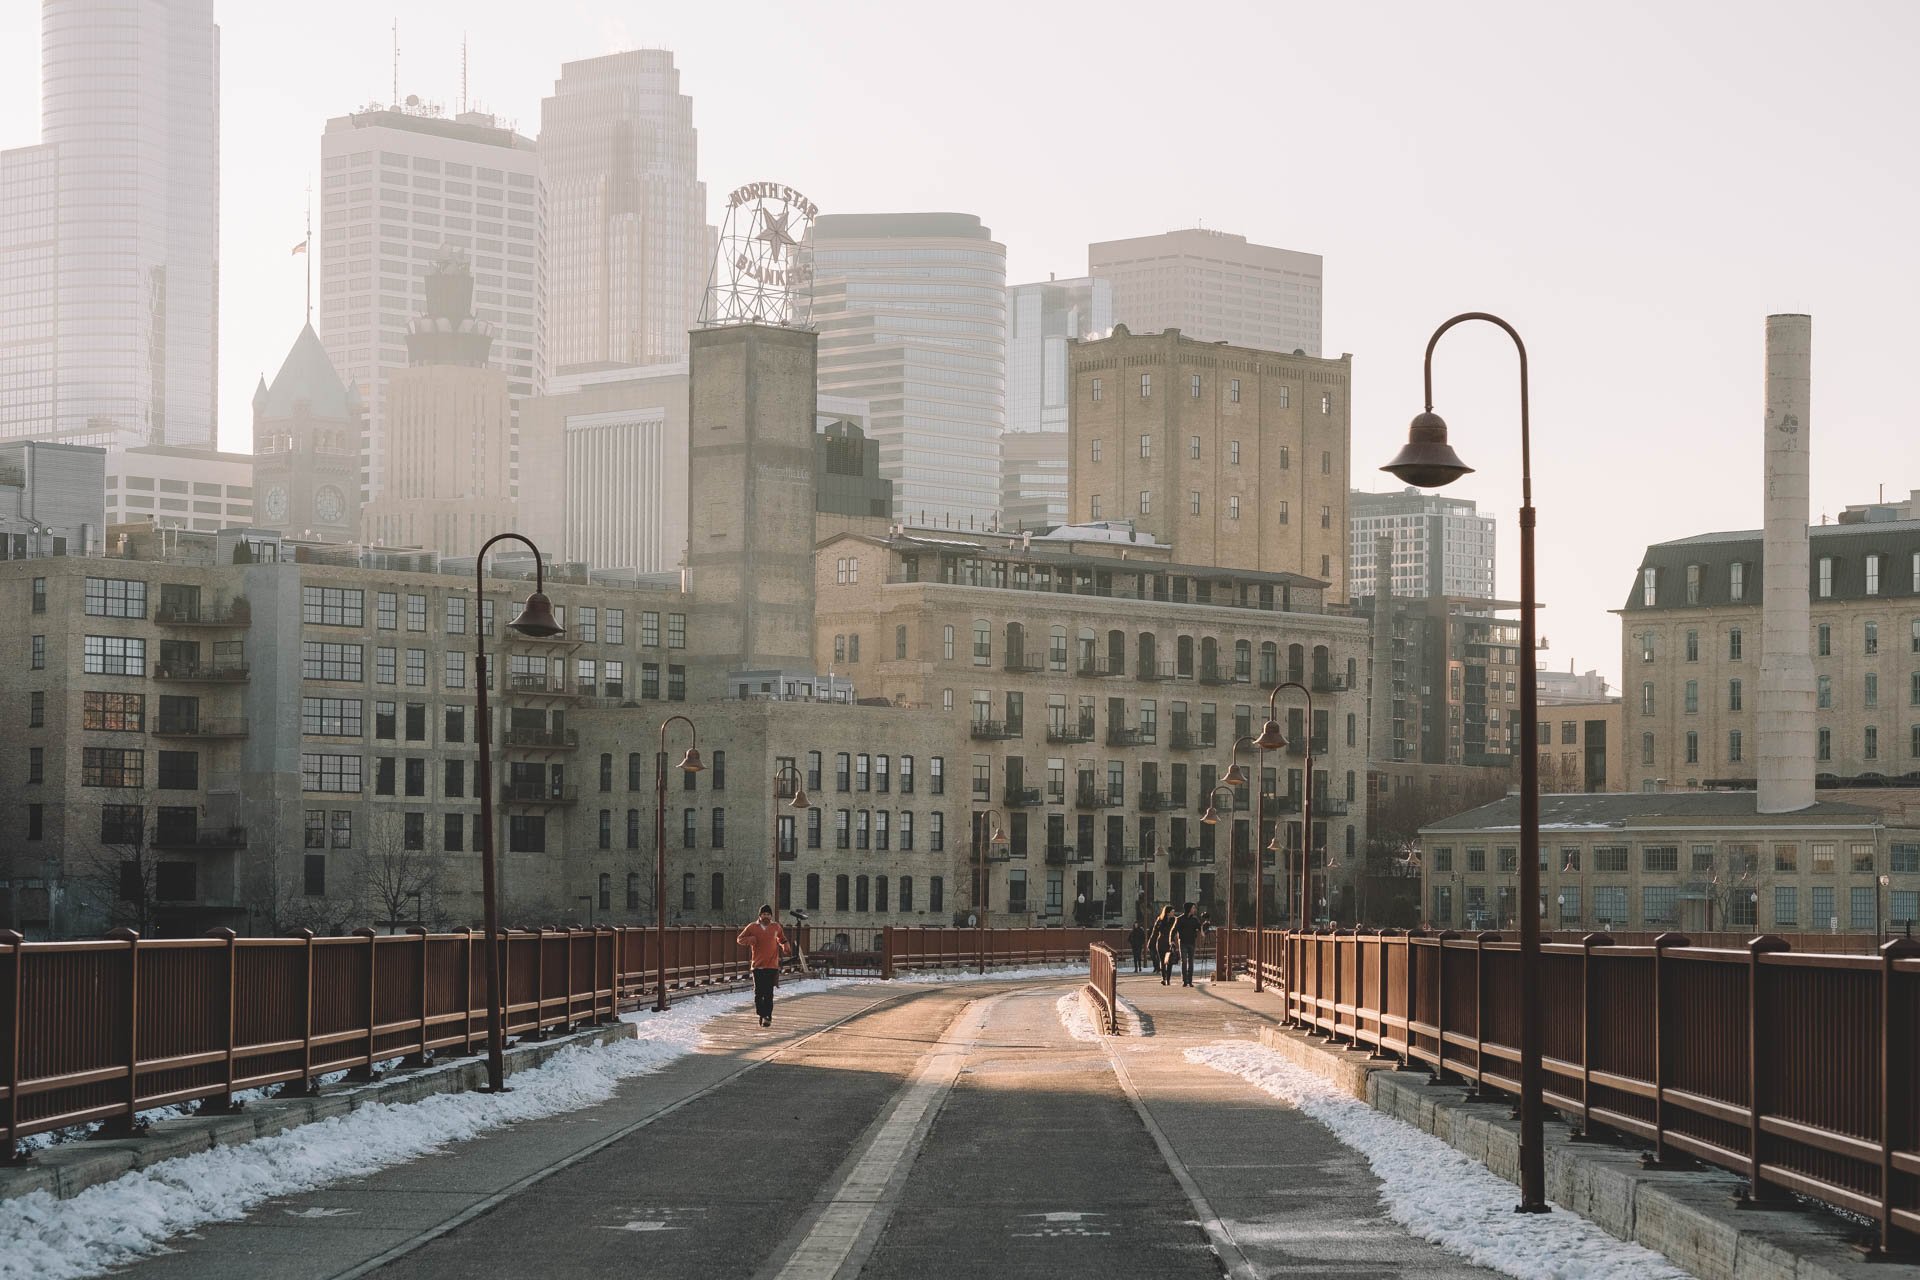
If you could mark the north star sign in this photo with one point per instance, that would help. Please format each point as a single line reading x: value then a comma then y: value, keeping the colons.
x: 773, y: 191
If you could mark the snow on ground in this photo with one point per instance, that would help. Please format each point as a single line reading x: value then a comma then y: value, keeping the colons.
x: 1440, y: 1194
x: 1072, y: 1008
x: 1073, y: 969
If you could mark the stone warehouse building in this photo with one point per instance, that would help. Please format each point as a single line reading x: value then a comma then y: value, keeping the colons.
x: 1102, y: 684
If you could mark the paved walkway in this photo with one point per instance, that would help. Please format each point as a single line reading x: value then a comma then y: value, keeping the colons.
x: 878, y: 1131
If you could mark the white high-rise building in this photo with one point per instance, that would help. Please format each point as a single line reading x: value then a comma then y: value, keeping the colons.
x: 1042, y: 319
x: 912, y: 314
x: 110, y: 230
x: 1441, y: 546
x: 1214, y: 287
x: 398, y: 184
x: 630, y: 244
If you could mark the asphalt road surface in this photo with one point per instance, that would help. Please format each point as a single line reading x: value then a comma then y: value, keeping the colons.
x: 890, y: 1132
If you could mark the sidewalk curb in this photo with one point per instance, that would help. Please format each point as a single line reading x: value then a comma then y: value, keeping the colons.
x: 68, y: 1168
x: 1690, y: 1218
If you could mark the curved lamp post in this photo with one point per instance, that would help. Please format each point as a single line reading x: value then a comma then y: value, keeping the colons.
x: 689, y: 763
x: 798, y: 802
x: 994, y: 849
x: 536, y: 622
x: 1271, y: 739
x: 1235, y: 776
x: 1429, y: 462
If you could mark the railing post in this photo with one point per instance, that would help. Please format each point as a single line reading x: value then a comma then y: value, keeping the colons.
x: 540, y: 981
x: 1478, y: 1092
x: 1895, y: 1099
x: 1760, y: 1042
x: 886, y: 952
x: 424, y: 1055
x: 1658, y: 1158
x: 466, y: 990
x: 13, y: 1154
x: 1382, y: 942
x: 224, y: 1104
x: 128, y: 1123
x: 306, y: 1086
x: 1440, y: 1005
x: 1588, y: 1038
x: 365, y: 1070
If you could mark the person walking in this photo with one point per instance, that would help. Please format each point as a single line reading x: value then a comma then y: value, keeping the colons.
x: 766, y: 942
x: 1159, y: 939
x: 1186, y: 932
x: 1137, y: 938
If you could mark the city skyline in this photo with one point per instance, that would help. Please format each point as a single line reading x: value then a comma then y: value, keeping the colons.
x: 1411, y: 210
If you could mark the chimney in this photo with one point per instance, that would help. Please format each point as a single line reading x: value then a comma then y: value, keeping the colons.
x: 1785, y: 719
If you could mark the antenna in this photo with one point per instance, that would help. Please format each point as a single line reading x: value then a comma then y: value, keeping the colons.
x: 396, y: 59
x: 307, y: 244
x: 463, y: 73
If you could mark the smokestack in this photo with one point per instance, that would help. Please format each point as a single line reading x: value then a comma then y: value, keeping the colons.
x: 1786, y: 667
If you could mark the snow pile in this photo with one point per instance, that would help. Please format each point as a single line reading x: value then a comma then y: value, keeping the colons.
x: 118, y: 1222
x: 1071, y: 969
x: 1072, y: 1009
x: 1438, y: 1193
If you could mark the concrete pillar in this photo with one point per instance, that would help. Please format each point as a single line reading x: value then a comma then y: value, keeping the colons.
x: 1786, y: 709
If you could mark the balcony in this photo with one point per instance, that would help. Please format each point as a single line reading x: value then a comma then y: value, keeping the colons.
x: 1214, y: 675
x: 171, y: 727
x: 519, y: 793
x: 1190, y: 858
x: 1024, y: 664
x: 209, y: 672
x: 1093, y: 798
x: 1124, y: 855
x: 1061, y: 855
x: 1153, y: 671
x: 237, y: 613
x: 1281, y: 802
x: 1020, y: 797
x: 1098, y: 668
x: 1124, y: 738
x: 1069, y: 735
x: 543, y: 739
x: 529, y: 682
x: 169, y: 837
x: 1190, y: 740
x: 1329, y: 807
x: 993, y: 730
x: 1329, y: 684
x: 1160, y: 802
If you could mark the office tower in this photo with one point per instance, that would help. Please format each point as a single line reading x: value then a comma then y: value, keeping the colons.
x: 630, y: 245
x: 1215, y: 287
x: 1235, y: 458
x: 1441, y: 546
x: 306, y: 428
x: 1042, y: 318
x: 110, y: 230
x: 399, y: 184
x: 911, y: 311
x: 202, y: 489
x: 448, y: 447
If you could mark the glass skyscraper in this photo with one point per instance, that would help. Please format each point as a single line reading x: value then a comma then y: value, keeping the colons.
x: 1042, y: 319
x: 110, y: 230
x: 912, y: 314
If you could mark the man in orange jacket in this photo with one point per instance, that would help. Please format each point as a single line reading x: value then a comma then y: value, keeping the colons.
x: 767, y: 943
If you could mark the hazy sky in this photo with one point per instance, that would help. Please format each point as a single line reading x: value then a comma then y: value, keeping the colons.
x: 1635, y: 186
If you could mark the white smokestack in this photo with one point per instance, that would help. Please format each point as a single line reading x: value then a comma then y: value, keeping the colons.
x: 1786, y: 667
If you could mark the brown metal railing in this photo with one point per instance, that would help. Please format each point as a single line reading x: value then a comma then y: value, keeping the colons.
x: 1796, y: 1070
x: 1103, y: 985
x: 907, y: 947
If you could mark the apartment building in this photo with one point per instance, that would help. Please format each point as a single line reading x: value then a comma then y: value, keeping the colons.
x: 1103, y: 685
x: 1231, y: 456
x: 1702, y: 861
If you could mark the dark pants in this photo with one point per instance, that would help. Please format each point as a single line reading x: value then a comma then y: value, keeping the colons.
x: 1186, y: 967
x: 1136, y: 956
x: 763, y: 980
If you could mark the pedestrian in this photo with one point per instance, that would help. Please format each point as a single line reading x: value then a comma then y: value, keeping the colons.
x: 1186, y: 932
x: 1158, y: 939
x: 766, y: 942
x: 1137, y: 938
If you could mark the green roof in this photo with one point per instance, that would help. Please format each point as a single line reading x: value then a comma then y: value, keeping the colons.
x: 307, y: 375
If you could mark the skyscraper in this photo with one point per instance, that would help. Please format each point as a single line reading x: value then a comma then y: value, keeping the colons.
x: 1441, y: 546
x: 626, y: 211
x: 912, y: 314
x: 110, y: 230
x: 1215, y: 287
x: 398, y: 184
x: 1042, y: 318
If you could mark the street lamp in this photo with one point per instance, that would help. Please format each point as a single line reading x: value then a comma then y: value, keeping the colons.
x: 1235, y: 777
x: 798, y: 802
x: 1271, y: 739
x: 535, y: 622
x: 994, y: 850
x: 689, y: 763
x: 1880, y: 886
x: 1429, y: 462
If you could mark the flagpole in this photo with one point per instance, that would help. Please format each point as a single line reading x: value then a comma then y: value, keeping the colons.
x: 308, y: 244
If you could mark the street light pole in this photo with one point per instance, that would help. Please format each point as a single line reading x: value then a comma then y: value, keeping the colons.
x: 1271, y: 739
x: 689, y: 763
x: 536, y: 622
x: 798, y: 802
x: 983, y: 852
x: 1237, y: 777
x: 1428, y: 462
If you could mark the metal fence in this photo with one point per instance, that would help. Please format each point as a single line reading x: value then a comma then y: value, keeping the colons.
x: 1798, y: 1070
x: 1103, y: 984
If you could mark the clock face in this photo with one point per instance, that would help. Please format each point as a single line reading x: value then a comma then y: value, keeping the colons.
x: 329, y: 504
x: 276, y: 503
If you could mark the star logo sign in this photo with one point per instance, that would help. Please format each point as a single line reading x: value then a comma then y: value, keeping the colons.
x: 776, y: 235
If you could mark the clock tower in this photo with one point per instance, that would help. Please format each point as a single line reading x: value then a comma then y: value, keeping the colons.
x: 306, y: 446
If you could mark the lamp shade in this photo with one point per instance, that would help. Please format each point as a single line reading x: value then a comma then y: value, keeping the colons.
x: 799, y: 800
x: 536, y: 618
x: 690, y: 762
x: 998, y: 839
x: 1212, y: 816
x: 1427, y: 461
x: 1271, y: 739
x: 1235, y: 775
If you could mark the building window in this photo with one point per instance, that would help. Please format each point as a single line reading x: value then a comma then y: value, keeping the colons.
x: 1193, y: 386
x: 111, y: 598
x: 1870, y: 695
x: 1093, y: 449
x: 1093, y: 389
x: 1193, y: 502
x: 1693, y: 584
x: 1146, y: 446
x: 105, y: 655
x: 1646, y: 748
x: 1326, y: 517
x: 1233, y: 508
x: 1825, y: 589
x: 319, y: 772
x: 1693, y: 747
x: 1093, y: 507
x: 1646, y: 698
x: 1733, y: 695
x: 1736, y: 581
x: 1870, y: 744
x: 1733, y: 645
x: 1693, y: 646
x: 1649, y: 586
x: 1870, y: 638
x: 1692, y: 697
x: 1873, y: 575
x: 1233, y: 453
x: 1233, y: 390
x: 114, y: 711
x: 1733, y: 746
x: 1146, y: 386
x: 1823, y: 692
x: 1193, y: 447
x: 1824, y: 749
x: 1146, y: 502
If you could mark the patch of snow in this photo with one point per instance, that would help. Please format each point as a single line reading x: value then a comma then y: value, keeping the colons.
x: 1075, y: 969
x: 1438, y: 1193
x: 1072, y: 1008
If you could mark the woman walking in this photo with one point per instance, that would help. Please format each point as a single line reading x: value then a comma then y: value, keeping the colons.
x: 1158, y: 940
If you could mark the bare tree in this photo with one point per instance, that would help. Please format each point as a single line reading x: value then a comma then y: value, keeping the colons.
x: 400, y: 878
x: 120, y: 872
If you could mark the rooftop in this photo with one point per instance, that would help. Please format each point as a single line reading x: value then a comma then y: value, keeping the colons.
x: 1617, y: 809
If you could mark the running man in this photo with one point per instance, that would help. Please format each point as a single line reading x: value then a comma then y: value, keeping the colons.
x: 767, y: 942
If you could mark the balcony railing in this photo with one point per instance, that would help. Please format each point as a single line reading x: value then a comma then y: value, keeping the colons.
x: 210, y: 671
x: 1024, y: 662
x: 1124, y: 738
x: 209, y: 838
x: 1213, y: 675
x: 1095, y: 668
x: 543, y: 739
x: 1153, y: 670
x: 1281, y: 802
x: 1125, y: 855
x: 1330, y: 807
x: 1093, y: 798
x: 171, y: 727
x: 521, y: 793
x: 1020, y: 797
x: 1070, y: 734
x: 1060, y: 855
x: 1190, y: 858
x: 994, y: 730
x: 1323, y: 683
x: 238, y: 613
x: 1158, y: 802
x: 547, y: 686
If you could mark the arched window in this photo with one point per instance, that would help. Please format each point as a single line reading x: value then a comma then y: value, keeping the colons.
x: 785, y: 891
x: 1085, y: 650
x: 1296, y: 662
x: 880, y: 893
x: 717, y: 891
x: 1183, y: 657
x: 606, y: 891
x: 1057, y: 649
x: 813, y: 890
x: 606, y: 771
x: 633, y: 891
x: 1116, y: 650
x: 1209, y: 659
x: 1016, y: 645
x: 633, y: 771
x: 1322, y: 672
x: 982, y: 642
x: 906, y: 894
x: 1269, y: 663
x: 1148, y: 654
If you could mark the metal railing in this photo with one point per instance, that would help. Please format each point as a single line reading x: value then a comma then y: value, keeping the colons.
x: 1794, y: 1070
x: 200, y: 727
x: 543, y: 739
x: 1103, y: 985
